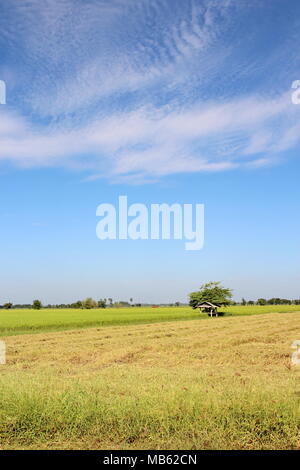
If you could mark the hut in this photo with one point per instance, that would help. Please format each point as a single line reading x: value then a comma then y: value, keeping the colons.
x: 209, y: 308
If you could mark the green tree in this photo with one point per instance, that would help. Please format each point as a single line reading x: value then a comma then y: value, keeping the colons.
x: 261, y: 302
x: 8, y: 305
x: 89, y: 303
x: 121, y: 303
x: 102, y: 303
x: 37, y: 304
x: 212, y: 292
x: 285, y: 302
x: 243, y: 301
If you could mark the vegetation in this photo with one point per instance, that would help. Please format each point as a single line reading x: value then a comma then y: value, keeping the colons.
x: 273, y: 301
x: 212, y: 292
x: 37, y: 304
x: 89, y: 303
x: 122, y: 304
x: 213, y: 384
x: 8, y: 305
x: 21, y: 321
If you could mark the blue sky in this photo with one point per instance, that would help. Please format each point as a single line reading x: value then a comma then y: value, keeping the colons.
x: 163, y: 101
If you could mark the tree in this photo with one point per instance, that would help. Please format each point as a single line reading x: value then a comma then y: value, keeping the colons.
x: 244, y: 301
x: 261, y: 302
x: 102, y: 303
x: 274, y: 301
x: 121, y: 303
x: 285, y: 302
x: 89, y: 303
x: 212, y: 292
x: 8, y: 305
x: 130, y: 300
x: 37, y: 304
x: 110, y: 301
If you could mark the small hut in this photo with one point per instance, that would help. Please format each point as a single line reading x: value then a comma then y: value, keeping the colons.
x: 209, y: 308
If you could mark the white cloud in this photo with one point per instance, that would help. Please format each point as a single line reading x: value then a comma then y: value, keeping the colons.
x: 147, y: 142
x: 135, y: 89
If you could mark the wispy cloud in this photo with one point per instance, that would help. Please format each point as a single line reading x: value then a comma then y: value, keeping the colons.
x: 148, y: 142
x: 137, y: 90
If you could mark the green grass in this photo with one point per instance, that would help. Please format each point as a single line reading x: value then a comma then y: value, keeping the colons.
x: 213, y: 384
x: 21, y: 321
x: 259, y: 309
x: 47, y: 413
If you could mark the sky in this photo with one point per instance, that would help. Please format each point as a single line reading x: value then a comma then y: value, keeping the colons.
x: 164, y: 101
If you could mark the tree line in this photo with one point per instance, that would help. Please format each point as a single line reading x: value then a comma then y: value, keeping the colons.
x: 273, y: 301
x: 217, y: 294
x: 87, y: 303
x: 212, y: 292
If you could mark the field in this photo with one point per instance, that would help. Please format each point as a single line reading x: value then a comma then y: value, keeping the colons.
x: 221, y: 383
x: 22, y: 321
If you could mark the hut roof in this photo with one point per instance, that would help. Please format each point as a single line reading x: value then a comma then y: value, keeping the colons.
x: 207, y: 304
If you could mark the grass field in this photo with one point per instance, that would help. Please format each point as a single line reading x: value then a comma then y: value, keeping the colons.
x: 31, y: 321
x: 222, y: 383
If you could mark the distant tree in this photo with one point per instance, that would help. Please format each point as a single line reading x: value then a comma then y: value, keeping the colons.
x: 131, y: 300
x: 37, y: 304
x: 110, y: 301
x: 212, y: 292
x: 285, y: 302
x: 77, y: 304
x: 274, y: 301
x: 278, y: 301
x: 243, y: 301
x: 8, y: 305
x: 89, y: 303
x: 261, y: 302
x: 102, y: 303
x: 250, y: 302
x: 121, y: 303
x: 177, y: 304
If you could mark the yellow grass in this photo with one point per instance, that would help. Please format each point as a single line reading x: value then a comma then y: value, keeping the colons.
x: 222, y: 383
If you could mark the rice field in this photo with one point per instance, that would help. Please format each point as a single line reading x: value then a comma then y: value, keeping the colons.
x: 23, y: 321
x: 221, y: 383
